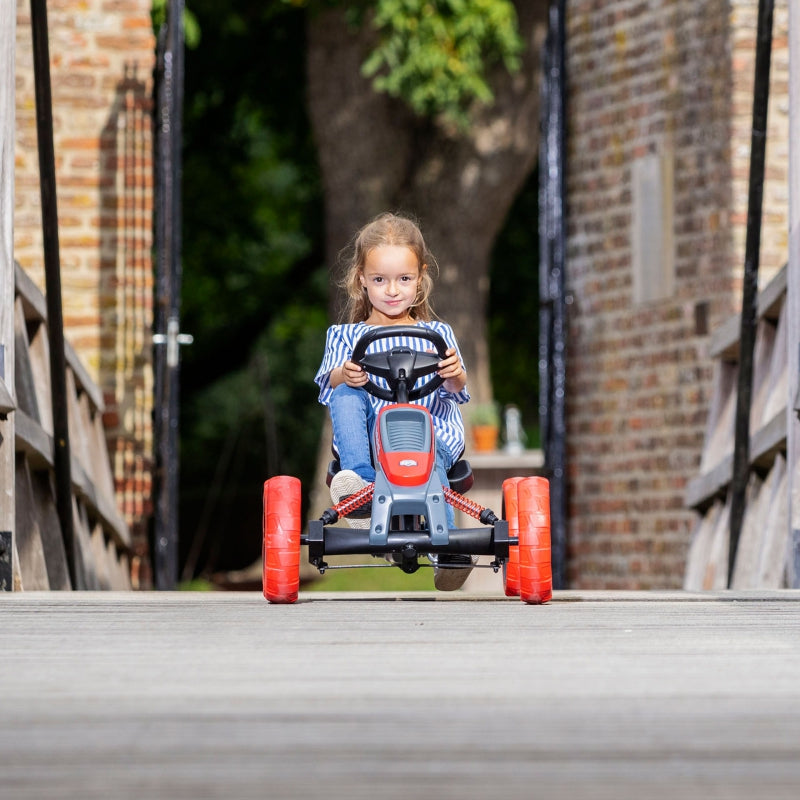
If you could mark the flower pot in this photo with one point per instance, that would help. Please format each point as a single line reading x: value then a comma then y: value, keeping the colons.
x: 484, y: 437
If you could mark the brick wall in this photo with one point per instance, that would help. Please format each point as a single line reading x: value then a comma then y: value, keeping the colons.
x: 102, y: 57
x: 671, y: 80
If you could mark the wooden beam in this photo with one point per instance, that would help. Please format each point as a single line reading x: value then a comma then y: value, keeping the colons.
x: 8, y: 16
x: 793, y: 299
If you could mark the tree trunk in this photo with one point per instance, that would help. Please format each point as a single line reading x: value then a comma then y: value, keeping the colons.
x: 376, y: 155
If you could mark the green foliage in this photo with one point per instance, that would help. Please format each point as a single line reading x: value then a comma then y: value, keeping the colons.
x: 483, y: 414
x: 380, y: 579
x: 513, y: 316
x: 191, y: 27
x: 434, y: 54
x: 254, y: 291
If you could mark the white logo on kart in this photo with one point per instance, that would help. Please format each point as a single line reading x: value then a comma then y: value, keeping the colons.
x: 408, y: 462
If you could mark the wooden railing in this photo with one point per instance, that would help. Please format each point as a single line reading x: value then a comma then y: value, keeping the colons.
x: 101, y: 536
x: 763, y: 547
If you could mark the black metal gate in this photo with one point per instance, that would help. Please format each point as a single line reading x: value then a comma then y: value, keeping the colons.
x: 553, y: 322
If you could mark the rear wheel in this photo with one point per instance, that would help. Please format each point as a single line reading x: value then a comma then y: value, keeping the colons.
x: 535, y: 569
x: 281, y: 548
x: 511, y: 514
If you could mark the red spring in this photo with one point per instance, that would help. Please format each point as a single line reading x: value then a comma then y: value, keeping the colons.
x: 350, y: 504
x: 463, y: 504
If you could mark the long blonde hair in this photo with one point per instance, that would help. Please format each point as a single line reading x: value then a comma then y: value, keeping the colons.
x: 386, y: 229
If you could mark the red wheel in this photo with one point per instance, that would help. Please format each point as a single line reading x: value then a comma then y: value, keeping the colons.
x: 535, y: 569
x: 281, y: 549
x: 510, y: 513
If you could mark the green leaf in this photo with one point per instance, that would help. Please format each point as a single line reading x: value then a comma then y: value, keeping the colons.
x: 435, y: 54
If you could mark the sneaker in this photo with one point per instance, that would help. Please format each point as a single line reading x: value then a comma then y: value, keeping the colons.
x: 344, y: 484
x: 449, y: 578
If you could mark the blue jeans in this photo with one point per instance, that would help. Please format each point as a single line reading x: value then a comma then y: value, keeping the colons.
x: 353, y: 419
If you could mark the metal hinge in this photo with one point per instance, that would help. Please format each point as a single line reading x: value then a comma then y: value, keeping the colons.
x: 173, y: 339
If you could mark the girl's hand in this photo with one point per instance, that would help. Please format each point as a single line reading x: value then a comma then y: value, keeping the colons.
x: 353, y: 375
x: 450, y: 369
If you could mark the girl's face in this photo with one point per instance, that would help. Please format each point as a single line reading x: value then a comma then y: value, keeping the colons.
x: 391, y: 276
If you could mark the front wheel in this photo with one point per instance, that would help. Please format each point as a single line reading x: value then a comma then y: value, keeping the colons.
x: 535, y: 568
x: 281, y: 547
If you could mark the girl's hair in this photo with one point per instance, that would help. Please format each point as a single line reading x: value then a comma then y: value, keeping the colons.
x: 386, y: 229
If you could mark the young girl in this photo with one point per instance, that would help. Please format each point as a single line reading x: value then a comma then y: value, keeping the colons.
x: 388, y: 282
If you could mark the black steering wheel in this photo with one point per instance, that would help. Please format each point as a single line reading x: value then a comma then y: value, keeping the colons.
x: 402, y: 367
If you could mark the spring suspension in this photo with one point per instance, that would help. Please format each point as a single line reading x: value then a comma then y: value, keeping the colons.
x: 350, y: 504
x: 463, y: 504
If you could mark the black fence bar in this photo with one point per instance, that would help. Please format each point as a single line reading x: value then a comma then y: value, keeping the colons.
x: 52, y: 272
x: 552, y: 281
x: 168, y: 291
x: 747, y: 336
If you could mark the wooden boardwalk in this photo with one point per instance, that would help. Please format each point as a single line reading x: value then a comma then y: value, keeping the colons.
x: 596, y: 695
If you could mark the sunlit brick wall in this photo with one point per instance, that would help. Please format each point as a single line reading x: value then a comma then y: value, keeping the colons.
x: 655, y: 85
x: 102, y: 58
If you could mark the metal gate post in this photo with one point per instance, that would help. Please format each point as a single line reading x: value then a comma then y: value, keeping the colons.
x: 167, y: 339
x: 747, y: 336
x: 553, y: 319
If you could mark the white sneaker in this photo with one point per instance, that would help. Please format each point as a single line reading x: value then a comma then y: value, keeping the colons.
x: 448, y: 579
x: 343, y: 484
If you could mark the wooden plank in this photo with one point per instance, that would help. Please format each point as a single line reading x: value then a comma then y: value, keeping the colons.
x: 748, y: 552
x: 778, y: 373
x: 116, y: 570
x: 716, y: 573
x: 32, y: 565
x: 83, y: 379
x: 50, y: 528
x: 774, y: 547
x: 25, y: 383
x: 84, y: 557
x: 39, y: 349
x: 724, y: 344
x: 96, y: 450
x: 762, y: 362
x: 35, y: 310
x: 772, y: 297
x: 105, y: 469
x: 700, y: 548
x: 100, y: 556
x: 793, y: 304
x: 125, y: 571
x: 38, y: 447
x: 28, y: 293
x: 7, y: 339
x: 33, y: 441
x: 768, y: 441
x: 77, y: 438
x: 704, y: 488
x: 719, y: 430
x: 7, y: 403
x: 17, y: 578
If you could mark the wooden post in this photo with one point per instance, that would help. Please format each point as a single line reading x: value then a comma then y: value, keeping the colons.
x: 8, y: 14
x: 793, y: 290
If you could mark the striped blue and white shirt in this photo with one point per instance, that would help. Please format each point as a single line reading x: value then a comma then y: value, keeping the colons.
x: 448, y: 424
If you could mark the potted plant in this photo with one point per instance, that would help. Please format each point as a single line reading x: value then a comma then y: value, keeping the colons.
x: 484, y: 421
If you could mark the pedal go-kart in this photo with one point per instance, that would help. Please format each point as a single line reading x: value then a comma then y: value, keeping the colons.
x: 408, y: 520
